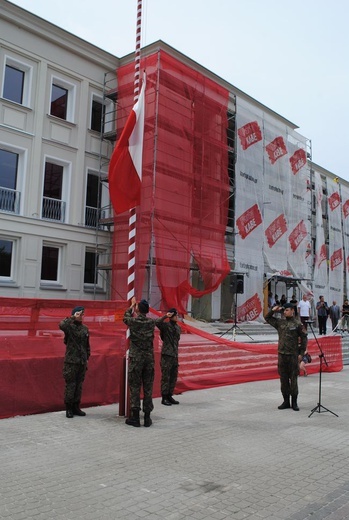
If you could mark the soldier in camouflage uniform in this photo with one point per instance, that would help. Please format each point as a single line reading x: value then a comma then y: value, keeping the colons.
x: 76, y: 338
x: 170, y: 333
x: 141, y: 366
x: 292, y: 344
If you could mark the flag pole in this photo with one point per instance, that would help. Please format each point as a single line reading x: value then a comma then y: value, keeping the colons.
x: 131, y: 260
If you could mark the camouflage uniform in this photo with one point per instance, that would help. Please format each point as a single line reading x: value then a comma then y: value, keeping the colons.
x: 293, y: 340
x: 141, y: 360
x: 170, y: 333
x: 76, y: 338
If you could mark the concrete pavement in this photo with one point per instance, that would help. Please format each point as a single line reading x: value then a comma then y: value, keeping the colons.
x: 223, y: 453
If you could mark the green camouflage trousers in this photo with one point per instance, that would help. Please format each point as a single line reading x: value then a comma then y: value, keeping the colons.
x: 169, y: 374
x: 141, y: 373
x: 288, y: 369
x: 74, y: 376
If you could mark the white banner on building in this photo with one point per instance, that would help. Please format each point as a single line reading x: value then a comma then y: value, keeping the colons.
x: 336, y: 257
x: 321, y: 264
x: 248, y: 212
x: 345, y: 220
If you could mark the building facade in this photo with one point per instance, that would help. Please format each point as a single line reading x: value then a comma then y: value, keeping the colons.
x: 61, y: 102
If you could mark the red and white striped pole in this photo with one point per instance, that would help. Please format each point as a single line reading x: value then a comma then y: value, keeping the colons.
x: 132, y: 217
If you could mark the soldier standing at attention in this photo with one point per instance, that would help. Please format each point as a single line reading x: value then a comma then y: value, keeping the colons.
x: 170, y: 333
x: 76, y: 338
x: 141, y: 361
x: 292, y: 344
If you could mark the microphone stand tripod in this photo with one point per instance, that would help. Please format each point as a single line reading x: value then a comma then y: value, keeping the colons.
x: 235, y: 326
x: 319, y: 408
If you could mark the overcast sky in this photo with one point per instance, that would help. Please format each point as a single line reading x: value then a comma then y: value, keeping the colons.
x: 292, y: 56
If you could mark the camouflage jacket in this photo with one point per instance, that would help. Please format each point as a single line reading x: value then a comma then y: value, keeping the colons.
x: 76, y: 338
x: 293, y: 337
x: 170, y: 333
x: 141, y: 332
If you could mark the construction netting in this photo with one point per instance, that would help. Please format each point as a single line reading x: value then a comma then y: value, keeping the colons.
x: 182, y: 218
x: 32, y: 353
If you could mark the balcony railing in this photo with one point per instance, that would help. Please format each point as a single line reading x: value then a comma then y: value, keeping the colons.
x: 91, y: 216
x: 95, y: 217
x: 53, y: 209
x: 10, y: 200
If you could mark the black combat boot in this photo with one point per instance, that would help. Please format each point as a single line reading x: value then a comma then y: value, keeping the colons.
x: 285, y: 404
x: 69, y: 412
x: 77, y: 411
x: 172, y: 401
x: 294, y: 404
x: 134, y: 419
x: 165, y: 400
x: 147, y: 420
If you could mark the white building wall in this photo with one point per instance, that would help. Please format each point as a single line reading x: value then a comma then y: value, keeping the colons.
x: 46, y: 52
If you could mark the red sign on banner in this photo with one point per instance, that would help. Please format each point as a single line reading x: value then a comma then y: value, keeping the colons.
x: 346, y: 208
x: 249, y: 220
x: 334, y: 200
x: 298, y: 160
x: 249, y: 134
x: 276, y: 149
x: 250, y: 310
x: 297, y: 235
x: 276, y: 229
x: 322, y: 255
x: 336, y: 258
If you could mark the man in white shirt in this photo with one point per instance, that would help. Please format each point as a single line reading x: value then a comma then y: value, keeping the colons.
x: 304, y: 310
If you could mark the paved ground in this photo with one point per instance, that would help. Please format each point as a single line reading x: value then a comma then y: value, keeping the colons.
x: 223, y: 453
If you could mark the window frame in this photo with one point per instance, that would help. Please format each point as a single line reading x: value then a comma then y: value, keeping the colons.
x: 27, y: 81
x: 21, y: 170
x: 66, y: 178
x: 14, y: 242
x: 71, y: 98
x: 58, y: 282
x: 100, y: 283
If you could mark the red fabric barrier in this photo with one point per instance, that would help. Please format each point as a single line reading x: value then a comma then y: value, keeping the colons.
x: 32, y: 351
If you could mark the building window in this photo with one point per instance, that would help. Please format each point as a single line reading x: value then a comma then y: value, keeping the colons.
x: 17, y: 81
x: 90, y: 272
x: 50, y: 264
x: 97, y: 115
x: 9, y: 196
x: 13, y: 84
x: 62, y: 100
x: 53, y: 207
x: 6, y: 258
x: 59, y: 102
x: 93, y: 201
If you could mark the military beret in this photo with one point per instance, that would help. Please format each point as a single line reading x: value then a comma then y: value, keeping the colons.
x: 77, y: 309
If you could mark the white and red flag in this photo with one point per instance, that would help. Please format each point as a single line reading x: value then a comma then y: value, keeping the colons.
x: 125, y: 167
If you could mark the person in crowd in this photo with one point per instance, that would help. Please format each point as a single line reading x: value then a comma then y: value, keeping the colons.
x: 322, y: 314
x: 292, y: 345
x: 334, y: 314
x: 345, y: 316
x: 170, y: 333
x: 304, y: 309
x: 271, y: 301
x: 76, y: 339
x: 302, y: 365
x: 294, y: 302
x: 283, y: 300
x: 141, y: 365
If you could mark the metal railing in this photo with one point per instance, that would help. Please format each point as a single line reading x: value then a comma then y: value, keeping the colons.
x: 10, y: 200
x: 91, y: 216
x: 53, y: 209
